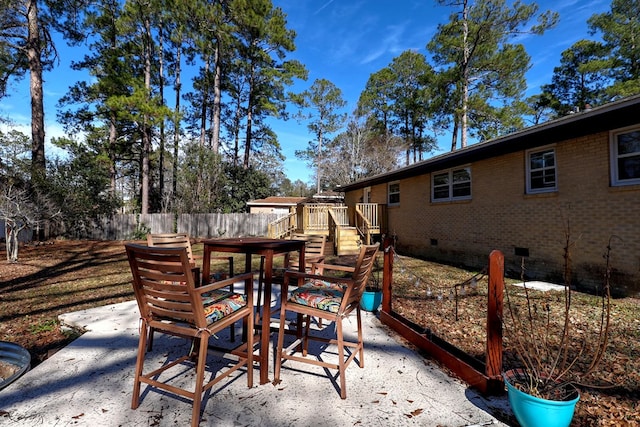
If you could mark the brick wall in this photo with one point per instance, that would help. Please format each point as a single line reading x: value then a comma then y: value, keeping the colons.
x: 501, y: 216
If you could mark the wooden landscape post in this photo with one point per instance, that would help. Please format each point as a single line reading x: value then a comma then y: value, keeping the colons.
x: 494, y: 317
x: 387, y: 274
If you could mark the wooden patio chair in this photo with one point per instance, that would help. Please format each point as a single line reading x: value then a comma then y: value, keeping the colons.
x: 176, y: 240
x: 313, y: 253
x: 169, y: 302
x: 183, y: 240
x: 313, y: 250
x: 327, y: 297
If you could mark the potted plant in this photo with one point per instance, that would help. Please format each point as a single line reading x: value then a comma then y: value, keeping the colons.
x: 553, y: 356
x: 372, y: 295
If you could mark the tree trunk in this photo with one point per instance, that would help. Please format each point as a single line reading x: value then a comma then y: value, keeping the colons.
x: 217, y: 96
x: 318, y: 161
x: 205, y: 102
x: 176, y: 124
x: 236, y: 133
x: 113, y: 140
x: 146, y: 127
x: 113, y: 129
x: 465, y: 77
x: 454, y: 133
x: 161, y: 93
x: 12, y: 244
x: 34, y: 52
x: 247, y: 143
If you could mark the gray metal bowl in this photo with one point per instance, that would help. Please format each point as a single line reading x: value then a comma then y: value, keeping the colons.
x: 15, y: 355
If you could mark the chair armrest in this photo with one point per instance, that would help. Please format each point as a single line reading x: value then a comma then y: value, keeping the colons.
x: 308, y: 276
x: 321, y: 267
x: 224, y: 283
x: 314, y: 259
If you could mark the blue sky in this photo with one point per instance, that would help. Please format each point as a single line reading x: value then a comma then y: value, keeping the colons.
x: 345, y: 41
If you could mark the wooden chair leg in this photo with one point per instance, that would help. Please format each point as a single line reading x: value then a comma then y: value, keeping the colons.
x: 260, y: 285
x: 360, y: 340
x: 341, y: 362
x: 142, y: 348
x: 200, y: 368
x: 280, y: 346
x: 150, y: 340
x: 232, y: 327
x: 250, y: 343
x: 305, y: 346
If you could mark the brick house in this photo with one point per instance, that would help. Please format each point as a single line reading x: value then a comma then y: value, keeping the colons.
x: 517, y: 193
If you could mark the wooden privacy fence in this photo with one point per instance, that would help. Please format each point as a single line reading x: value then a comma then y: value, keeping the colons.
x: 124, y: 226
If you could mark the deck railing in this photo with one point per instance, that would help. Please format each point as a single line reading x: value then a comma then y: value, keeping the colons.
x: 316, y: 217
x: 334, y: 229
x: 282, y: 227
x: 324, y: 218
x: 367, y: 217
x: 370, y: 212
x: 363, y: 227
x: 341, y: 215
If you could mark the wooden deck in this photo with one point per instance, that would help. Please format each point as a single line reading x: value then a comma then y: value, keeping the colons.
x: 346, y: 227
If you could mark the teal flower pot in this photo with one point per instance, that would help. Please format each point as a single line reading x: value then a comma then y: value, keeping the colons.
x: 371, y: 300
x: 533, y: 411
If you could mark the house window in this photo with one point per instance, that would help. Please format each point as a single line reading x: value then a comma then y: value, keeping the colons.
x: 625, y: 157
x: 541, y: 171
x: 394, y: 193
x: 454, y: 184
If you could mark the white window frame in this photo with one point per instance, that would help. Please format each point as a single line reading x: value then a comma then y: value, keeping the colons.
x: 450, y: 184
x: 615, y: 157
x: 390, y: 193
x: 544, y: 169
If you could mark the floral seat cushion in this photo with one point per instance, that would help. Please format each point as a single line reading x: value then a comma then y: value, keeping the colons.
x: 319, y: 294
x: 221, y: 303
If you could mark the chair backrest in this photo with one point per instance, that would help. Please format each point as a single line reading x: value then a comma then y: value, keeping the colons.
x: 313, y: 247
x: 174, y: 240
x: 361, y: 273
x: 159, y: 278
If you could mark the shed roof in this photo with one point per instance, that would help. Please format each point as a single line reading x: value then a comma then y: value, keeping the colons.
x: 617, y: 114
x: 276, y: 201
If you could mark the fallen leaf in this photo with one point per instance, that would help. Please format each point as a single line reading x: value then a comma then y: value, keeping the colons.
x: 417, y: 412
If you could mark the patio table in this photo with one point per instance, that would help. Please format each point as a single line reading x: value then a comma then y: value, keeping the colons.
x: 256, y: 246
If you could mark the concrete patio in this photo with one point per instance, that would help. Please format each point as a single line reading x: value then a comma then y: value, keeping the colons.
x: 90, y: 383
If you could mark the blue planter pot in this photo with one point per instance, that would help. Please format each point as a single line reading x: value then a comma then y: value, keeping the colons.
x: 371, y: 300
x: 533, y: 411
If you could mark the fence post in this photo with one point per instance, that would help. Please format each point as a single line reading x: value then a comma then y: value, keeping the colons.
x: 387, y: 274
x: 494, y: 317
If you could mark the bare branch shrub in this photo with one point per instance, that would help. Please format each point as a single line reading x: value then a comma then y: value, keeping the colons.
x: 555, y: 353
